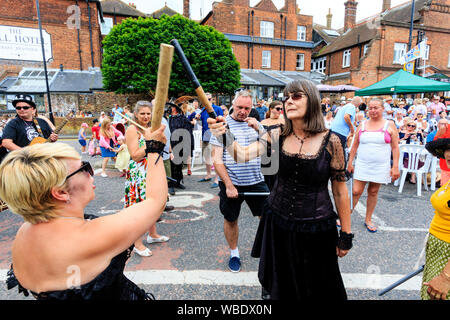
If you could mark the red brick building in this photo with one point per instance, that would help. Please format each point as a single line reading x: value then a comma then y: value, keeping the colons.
x: 73, y: 27
x: 264, y: 37
x: 369, y: 51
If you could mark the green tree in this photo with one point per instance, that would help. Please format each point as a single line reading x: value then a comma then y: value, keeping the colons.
x: 131, y: 56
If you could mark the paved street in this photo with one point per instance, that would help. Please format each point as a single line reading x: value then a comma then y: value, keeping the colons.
x: 193, y: 264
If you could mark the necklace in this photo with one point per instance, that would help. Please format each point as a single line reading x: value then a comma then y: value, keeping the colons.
x: 301, y: 140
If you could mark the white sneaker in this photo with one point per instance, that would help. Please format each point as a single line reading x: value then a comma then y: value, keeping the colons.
x: 157, y: 240
x: 104, y: 175
x: 143, y: 253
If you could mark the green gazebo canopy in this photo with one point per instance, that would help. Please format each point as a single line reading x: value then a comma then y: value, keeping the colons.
x: 403, y: 82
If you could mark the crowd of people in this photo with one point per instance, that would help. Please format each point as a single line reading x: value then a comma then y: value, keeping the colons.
x: 286, y: 151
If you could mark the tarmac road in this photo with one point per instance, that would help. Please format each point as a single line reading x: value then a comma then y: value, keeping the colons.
x: 193, y: 264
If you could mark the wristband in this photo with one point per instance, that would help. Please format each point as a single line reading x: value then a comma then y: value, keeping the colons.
x: 229, y: 138
x: 154, y: 146
x: 345, y: 240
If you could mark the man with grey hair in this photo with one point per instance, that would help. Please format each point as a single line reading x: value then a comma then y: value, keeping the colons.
x: 238, y: 178
x: 388, y: 112
x: 342, y: 124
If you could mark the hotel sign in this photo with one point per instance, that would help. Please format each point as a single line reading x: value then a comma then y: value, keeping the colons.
x: 17, y: 43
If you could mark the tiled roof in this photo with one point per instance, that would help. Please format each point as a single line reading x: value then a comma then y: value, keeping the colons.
x: 367, y: 29
x: 120, y: 8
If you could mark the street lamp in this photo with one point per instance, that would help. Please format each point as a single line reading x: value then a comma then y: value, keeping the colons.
x: 45, y: 64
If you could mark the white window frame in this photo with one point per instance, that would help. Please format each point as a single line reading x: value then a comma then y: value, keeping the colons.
x: 266, y: 29
x: 366, y: 47
x: 300, y: 64
x: 301, y: 33
x: 266, y: 59
x: 105, y: 27
x: 346, y: 58
x: 400, y: 50
x: 319, y: 64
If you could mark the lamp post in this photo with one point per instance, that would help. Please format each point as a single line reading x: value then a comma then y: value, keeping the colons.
x: 45, y: 64
x: 411, y: 25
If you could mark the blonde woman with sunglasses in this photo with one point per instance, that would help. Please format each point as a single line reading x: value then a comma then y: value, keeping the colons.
x: 59, y: 252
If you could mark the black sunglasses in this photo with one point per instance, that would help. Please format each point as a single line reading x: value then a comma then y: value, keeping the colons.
x: 278, y: 109
x: 295, y: 96
x: 24, y: 108
x: 411, y: 125
x: 85, y: 166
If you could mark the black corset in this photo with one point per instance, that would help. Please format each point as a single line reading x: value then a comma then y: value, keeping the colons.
x: 300, y: 194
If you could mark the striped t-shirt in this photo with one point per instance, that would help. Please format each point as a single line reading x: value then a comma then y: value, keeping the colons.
x: 241, y: 174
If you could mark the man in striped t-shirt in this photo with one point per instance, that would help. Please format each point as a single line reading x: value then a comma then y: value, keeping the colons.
x: 237, y: 178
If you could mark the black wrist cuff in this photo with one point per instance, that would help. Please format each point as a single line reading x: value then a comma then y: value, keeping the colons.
x: 154, y: 146
x: 345, y: 240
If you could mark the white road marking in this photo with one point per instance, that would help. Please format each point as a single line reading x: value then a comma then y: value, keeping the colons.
x: 250, y: 279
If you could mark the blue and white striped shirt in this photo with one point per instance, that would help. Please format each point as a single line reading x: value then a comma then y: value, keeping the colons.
x: 241, y: 174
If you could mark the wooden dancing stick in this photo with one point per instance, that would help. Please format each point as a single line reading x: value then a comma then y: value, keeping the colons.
x: 162, y: 84
x: 131, y: 120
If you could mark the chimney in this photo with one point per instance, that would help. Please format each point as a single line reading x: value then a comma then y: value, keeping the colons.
x: 350, y: 14
x: 132, y: 5
x: 291, y: 6
x: 329, y: 16
x: 186, y: 8
x: 386, y: 5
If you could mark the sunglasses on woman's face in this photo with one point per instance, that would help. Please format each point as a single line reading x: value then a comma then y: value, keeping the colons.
x: 295, y: 96
x: 278, y: 109
x: 411, y: 125
x: 85, y: 167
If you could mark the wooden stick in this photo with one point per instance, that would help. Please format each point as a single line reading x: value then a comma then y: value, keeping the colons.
x: 131, y: 120
x: 162, y: 84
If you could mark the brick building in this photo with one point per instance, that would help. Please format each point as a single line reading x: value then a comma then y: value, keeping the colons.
x: 369, y: 51
x: 272, y: 46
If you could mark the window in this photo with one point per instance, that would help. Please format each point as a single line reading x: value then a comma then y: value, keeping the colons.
x: 300, y: 61
x: 399, y: 51
x: 319, y: 64
x: 366, y: 47
x: 266, y: 29
x: 266, y: 56
x: 448, y: 60
x: 105, y: 27
x: 301, y: 33
x: 346, y: 58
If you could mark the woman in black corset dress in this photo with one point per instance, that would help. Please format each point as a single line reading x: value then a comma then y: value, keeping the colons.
x: 297, y: 240
x: 59, y: 252
x: 274, y: 119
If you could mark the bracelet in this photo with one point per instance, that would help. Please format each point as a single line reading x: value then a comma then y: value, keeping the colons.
x: 345, y: 240
x: 228, y: 137
x: 445, y: 275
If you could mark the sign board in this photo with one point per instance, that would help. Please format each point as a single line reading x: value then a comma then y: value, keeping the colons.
x: 18, y: 43
x: 409, y: 67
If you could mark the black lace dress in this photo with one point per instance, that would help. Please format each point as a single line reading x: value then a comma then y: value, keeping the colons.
x: 297, y: 235
x: 110, y: 284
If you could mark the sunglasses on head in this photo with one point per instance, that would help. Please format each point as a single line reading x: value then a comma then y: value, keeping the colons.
x: 24, y: 108
x: 85, y: 167
x: 295, y: 96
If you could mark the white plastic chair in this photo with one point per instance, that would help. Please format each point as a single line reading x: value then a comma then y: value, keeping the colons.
x: 415, y: 153
x: 197, y: 146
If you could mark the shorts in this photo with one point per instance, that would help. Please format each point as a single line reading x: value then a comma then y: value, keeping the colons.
x: 206, y: 151
x: 230, y: 208
x: 82, y: 142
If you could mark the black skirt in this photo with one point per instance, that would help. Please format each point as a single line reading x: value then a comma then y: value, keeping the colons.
x: 298, y: 265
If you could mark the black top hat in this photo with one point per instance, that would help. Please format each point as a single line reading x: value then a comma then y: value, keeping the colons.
x: 437, y: 147
x: 23, y: 98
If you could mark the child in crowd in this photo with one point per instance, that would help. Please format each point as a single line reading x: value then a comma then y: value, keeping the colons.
x: 123, y: 157
x: 82, y: 137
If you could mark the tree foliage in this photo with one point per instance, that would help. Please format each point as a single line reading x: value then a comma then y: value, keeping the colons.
x: 131, y: 56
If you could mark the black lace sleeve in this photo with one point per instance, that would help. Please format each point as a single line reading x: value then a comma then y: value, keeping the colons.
x: 338, y: 163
